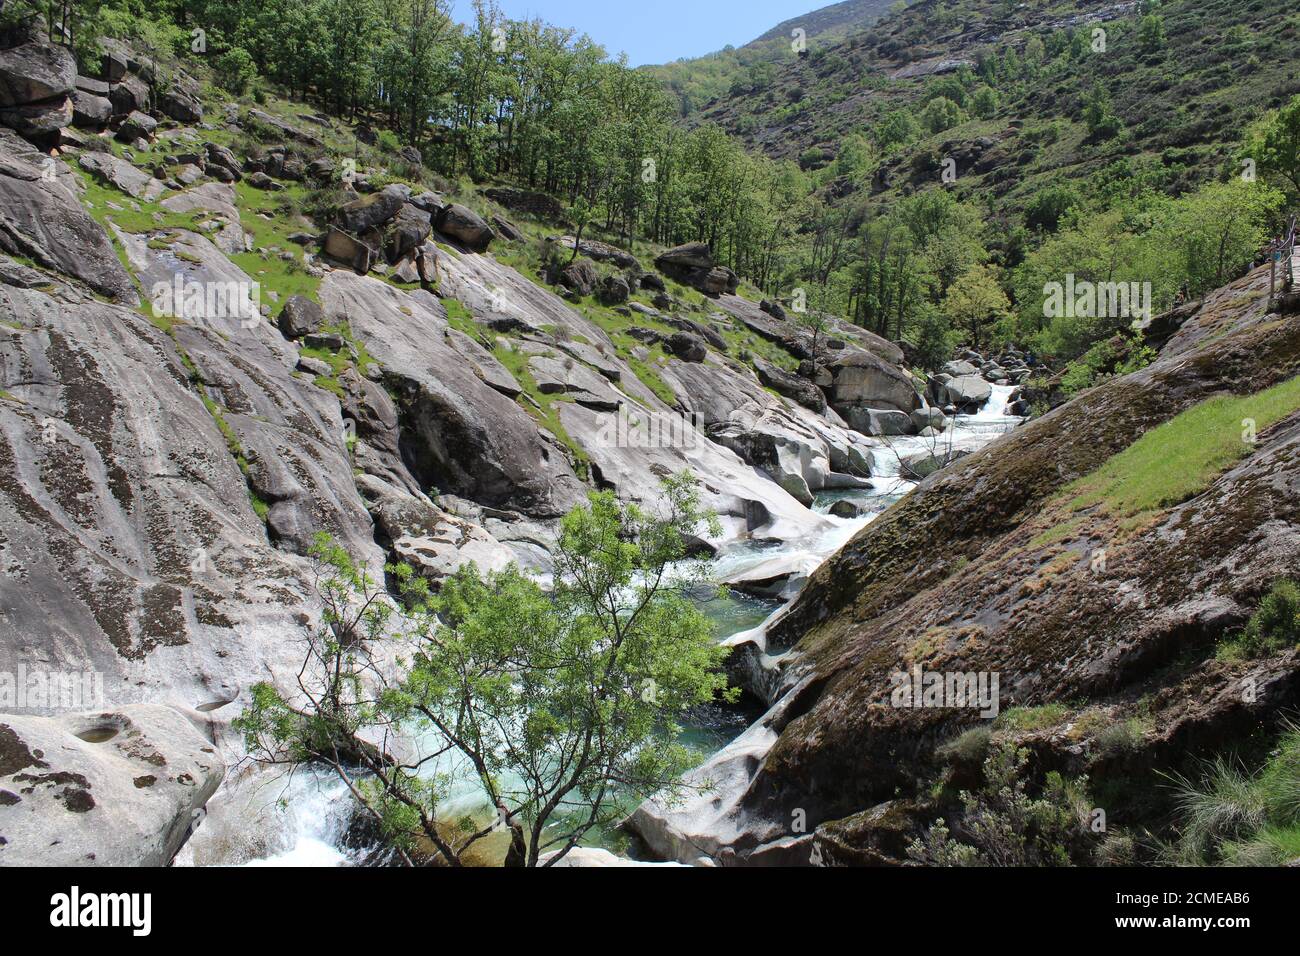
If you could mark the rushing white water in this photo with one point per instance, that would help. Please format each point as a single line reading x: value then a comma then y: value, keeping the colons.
x: 317, y: 810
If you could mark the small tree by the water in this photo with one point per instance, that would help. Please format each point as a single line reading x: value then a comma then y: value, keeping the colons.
x: 554, y: 705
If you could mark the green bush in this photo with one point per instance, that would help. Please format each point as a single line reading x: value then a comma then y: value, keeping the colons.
x: 235, y: 70
x: 1274, y: 626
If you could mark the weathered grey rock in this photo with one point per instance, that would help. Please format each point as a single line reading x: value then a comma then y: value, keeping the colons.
x: 688, y: 347
x: 119, y: 173
x: 217, y: 198
x: 579, y: 277
x: 348, y: 250
x: 41, y: 119
x: 847, y: 509
x: 879, y: 421
x: 129, y: 96
x: 90, y: 111
x: 613, y: 290
x: 370, y: 212
x: 967, y: 392
x: 472, y: 439
x: 958, y: 368
x: 222, y: 158
x: 407, y: 232
x: 929, y: 417
x: 465, y: 226
x: 178, y: 104
x: 924, y: 464
x: 862, y: 378
x: 484, y: 363
x: 801, y: 390
x: 314, y: 366
x: 136, y: 126
x: 600, y: 251
x: 290, y: 432
x: 44, y: 221
x: 568, y: 376
x: 433, y: 542
x: 119, y: 787
x: 300, y: 316
x: 36, y: 71
x: 692, y: 264
x: 263, y: 181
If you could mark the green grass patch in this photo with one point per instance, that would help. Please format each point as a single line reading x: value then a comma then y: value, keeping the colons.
x: 1275, y: 626
x: 1032, y: 718
x: 1180, y: 459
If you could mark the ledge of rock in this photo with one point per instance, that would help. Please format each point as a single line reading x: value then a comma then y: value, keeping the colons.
x: 114, y: 788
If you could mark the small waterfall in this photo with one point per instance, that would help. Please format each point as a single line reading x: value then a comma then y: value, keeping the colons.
x: 315, y: 816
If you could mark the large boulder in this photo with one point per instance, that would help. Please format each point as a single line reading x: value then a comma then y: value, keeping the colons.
x: 137, y: 126
x: 465, y: 226
x: 39, y: 120
x: 688, y: 347
x: 692, y: 264
x: 301, y: 316
x: 406, y: 233
x: 967, y: 392
x: 349, y: 250
x: 371, y: 212
x: 36, y: 71
x: 42, y: 220
x: 219, y: 157
x: 181, y: 105
x: 579, y: 277
x: 129, y: 96
x: 90, y: 111
x: 862, y: 379
x: 803, y: 391
x: 600, y: 251
x: 122, y: 787
x: 613, y: 290
x: 879, y: 421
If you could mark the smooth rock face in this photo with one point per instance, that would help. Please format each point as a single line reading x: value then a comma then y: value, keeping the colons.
x: 43, y: 220
x: 862, y: 379
x: 121, y: 787
x: 469, y: 438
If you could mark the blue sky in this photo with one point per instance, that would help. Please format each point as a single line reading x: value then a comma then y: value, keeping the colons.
x: 658, y: 31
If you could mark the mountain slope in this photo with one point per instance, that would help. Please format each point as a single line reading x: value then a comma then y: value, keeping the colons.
x: 700, y: 81
x: 1178, y: 92
x: 833, y: 21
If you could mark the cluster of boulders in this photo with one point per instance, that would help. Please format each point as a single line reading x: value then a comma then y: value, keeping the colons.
x: 965, y: 384
x: 391, y: 227
x: 37, y: 80
x: 692, y: 264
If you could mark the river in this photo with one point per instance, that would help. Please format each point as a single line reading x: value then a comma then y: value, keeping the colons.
x: 313, y: 809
